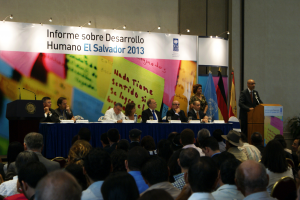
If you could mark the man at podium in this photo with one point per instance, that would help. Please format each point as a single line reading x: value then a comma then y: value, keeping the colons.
x: 249, y: 99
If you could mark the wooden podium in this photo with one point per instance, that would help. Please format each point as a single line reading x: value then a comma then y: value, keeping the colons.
x: 257, y: 121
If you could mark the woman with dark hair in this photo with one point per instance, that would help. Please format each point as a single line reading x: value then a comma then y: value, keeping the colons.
x: 164, y: 149
x: 275, y: 162
x: 198, y: 96
x: 121, y: 186
x: 130, y: 111
x: 173, y: 165
x: 77, y: 172
x: 148, y: 143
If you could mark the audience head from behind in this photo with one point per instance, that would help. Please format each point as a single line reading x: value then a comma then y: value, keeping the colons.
x: 25, y: 157
x: 118, y: 158
x: 157, y: 194
x: 256, y: 138
x: 29, y: 176
x: 273, y: 157
x: 174, y: 165
x: 281, y: 140
x: 233, y: 139
x: 78, y: 151
x: 187, y: 137
x: 148, y: 143
x: 202, y: 134
x: 219, y: 159
x: 155, y: 170
x: 244, y: 138
x: 251, y: 177
x: 33, y: 142
x: 135, y: 135
x: 121, y: 186
x: 227, y: 171
x: 123, y: 144
x: 113, y: 136
x: 104, y: 140
x: 164, y: 149
x: 84, y: 134
x: 176, y: 145
x: 217, y: 134
x: 135, y: 158
x: 210, y: 147
x: 203, y: 176
x: 14, y: 148
x: 59, y: 185
x: 187, y: 158
x: 97, y: 164
x: 77, y: 172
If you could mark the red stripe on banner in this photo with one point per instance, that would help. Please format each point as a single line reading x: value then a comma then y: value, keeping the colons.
x: 222, y: 98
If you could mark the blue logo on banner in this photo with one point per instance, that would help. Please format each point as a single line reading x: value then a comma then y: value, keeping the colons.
x: 175, y: 44
x: 281, y: 110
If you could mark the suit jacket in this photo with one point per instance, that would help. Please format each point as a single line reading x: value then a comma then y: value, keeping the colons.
x: 193, y: 114
x: 147, y: 113
x: 54, y: 117
x: 134, y: 144
x: 245, y: 102
x: 181, y: 116
x: 50, y: 165
x: 68, y: 115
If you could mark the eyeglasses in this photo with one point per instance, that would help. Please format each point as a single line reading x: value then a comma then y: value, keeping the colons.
x: 176, y: 104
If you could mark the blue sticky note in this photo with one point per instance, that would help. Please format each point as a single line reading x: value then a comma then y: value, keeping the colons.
x: 4, y: 131
x: 5, y: 69
x: 86, y: 106
x: 164, y: 111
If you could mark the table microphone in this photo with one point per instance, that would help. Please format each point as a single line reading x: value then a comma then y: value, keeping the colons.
x: 32, y: 92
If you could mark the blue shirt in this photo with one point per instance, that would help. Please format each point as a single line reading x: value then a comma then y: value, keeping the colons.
x: 93, y: 191
x: 142, y: 186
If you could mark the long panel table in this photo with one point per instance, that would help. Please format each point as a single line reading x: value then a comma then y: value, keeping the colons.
x: 58, y: 137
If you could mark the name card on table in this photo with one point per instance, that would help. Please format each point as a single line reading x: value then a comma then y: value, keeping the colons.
x: 218, y: 121
x: 195, y: 121
x: 82, y: 121
x: 152, y: 121
x: 128, y: 121
x: 175, y: 121
x: 67, y: 121
x: 108, y: 121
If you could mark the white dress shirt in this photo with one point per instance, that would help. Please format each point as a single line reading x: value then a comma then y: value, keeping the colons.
x: 228, y: 192
x: 201, y: 195
x: 197, y: 148
x: 111, y: 115
x: 154, y: 113
x: 9, y: 188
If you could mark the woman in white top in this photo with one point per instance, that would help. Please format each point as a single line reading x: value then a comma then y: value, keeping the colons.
x: 275, y: 162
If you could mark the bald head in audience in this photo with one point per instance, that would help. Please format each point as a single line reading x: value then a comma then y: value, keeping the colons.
x: 58, y: 185
x: 251, y: 177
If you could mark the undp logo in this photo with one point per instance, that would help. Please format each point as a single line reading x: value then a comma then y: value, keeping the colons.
x: 212, y: 108
x: 175, y: 44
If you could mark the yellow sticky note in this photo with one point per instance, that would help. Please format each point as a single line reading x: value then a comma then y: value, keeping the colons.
x: 105, y: 66
x: 9, y: 87
x: 130, y: 82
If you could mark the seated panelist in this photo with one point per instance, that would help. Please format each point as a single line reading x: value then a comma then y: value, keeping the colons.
x: 115, y: 113
x: 196, y: 113
x: 49, y: 114
x: 146, y: 114
x: 63, y: 111
x: 176, y: 113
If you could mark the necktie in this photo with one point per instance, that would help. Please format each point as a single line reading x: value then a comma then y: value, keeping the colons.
x: 198, y: 117
x: 251, y: 96
x: 154, y: 117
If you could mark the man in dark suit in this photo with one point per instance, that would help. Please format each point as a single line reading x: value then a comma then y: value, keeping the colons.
x: 49, y: 114
x: 196, y: 113
x: 63, y: 110
x: 249, y: 98
x: 135, y: 137
x: 151, y: 103
x: 176, y: 113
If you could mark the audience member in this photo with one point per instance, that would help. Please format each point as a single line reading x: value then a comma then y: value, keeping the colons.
x: 196, y: 113
x: 228, y: 189
x: 118, y: 158
x: 202, y: 177
x: 174, y: 167
x: 187, y: 158
x: 97, y: 165
x: 252, y: 180
x: 84, y: 134
x: 58, y: 185
x: 135, y: 158
x: 233, y: 141
x: 219, y: 159
x: 119, y: 186
x: 202, y: 135
x: 176, y: 145
x: 34, y: 142
x: 9, y: 188
x: 256, y: 140
x: 151, y: 112
x: 251, y: 151
x: 217, y: 134
x: 157, y: 194
x: 77, y: 172
x: 187, y: 139
x: 155, y: 173
x: 115, y: 113
x: 275, y: 162
x: 295, y: 154
x: 14, y: 149
x: 281, y: 140
x: 210, y: 147
x: 49, y: 114
x: 104, y: 141
x: 124, y: 145
x: 78, y: 151
x: 63, y: 111
x: 113, y: 137
x: 175, y: 113
x: 74, y: 139
x: 148, y: 143
x: 164, y: 149
x: 135, y: 137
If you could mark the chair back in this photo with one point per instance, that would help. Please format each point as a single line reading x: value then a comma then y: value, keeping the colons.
x: 62, y: 161
x: 283, y: 188
x: 290, y: 162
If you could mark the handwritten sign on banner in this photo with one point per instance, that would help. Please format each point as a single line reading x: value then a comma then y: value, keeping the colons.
x: 132, y: 83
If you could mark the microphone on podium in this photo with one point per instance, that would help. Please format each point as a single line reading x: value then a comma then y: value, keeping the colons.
x: 32, y: 92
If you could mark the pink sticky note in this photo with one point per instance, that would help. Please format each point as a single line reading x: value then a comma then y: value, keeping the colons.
x: 55, y: 63
x: 277, y: 123
x: 167, y: 69
x: 20, y: 61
